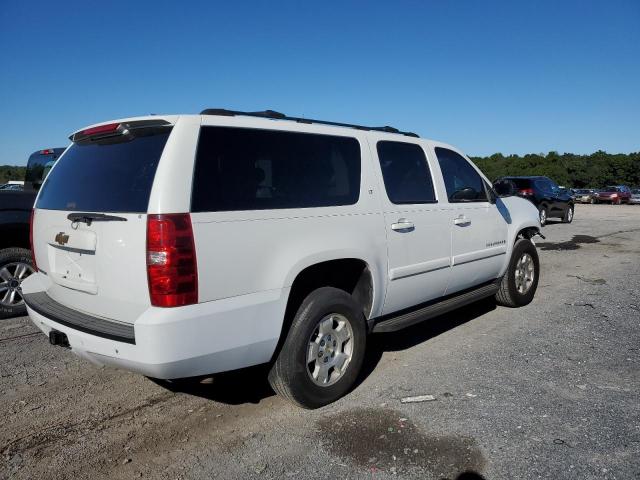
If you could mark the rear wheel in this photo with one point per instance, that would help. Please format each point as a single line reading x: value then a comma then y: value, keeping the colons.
x: 520, y: 281
x: 323, y: 352
x: 15, y: 266
x: 568, y: 215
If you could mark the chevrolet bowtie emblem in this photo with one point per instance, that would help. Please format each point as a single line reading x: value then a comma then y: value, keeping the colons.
x: 61, y: 238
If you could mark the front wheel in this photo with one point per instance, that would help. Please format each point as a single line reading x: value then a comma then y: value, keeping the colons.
x: 323, y: 351
x: 543, y: 215
x: 568, y: 215
x: 15, y: 266
x: 520, y: 281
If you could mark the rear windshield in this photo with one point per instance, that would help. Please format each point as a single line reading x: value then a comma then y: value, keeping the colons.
x: 114, y: 177
x: 520, y: 182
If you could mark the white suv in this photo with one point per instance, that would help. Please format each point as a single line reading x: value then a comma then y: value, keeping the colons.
x: 180, y: 246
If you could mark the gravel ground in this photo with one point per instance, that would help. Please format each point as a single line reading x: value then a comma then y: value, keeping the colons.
x: 545, y: 391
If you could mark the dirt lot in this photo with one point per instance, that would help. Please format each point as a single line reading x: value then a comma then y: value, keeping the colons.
x: 546, y: 391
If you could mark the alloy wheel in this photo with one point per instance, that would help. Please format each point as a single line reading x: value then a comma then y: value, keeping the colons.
x: 11, y: 277
x: 330, y: 349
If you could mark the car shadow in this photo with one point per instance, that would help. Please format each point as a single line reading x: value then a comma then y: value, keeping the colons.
x: 379, y: 343
x: 237, y: 387
x: 250, y: 385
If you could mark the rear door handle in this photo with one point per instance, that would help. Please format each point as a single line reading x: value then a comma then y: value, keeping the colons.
x: 462, y: 221
x: 402, y: 225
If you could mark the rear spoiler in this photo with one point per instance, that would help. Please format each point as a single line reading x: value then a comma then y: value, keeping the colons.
x: 119, y: 131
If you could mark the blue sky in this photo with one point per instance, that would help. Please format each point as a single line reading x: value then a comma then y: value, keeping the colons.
x: 487, y: 76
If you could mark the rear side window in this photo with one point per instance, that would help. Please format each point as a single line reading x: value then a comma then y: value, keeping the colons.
x: 114, y: 177
x: 462, y: 181
x: 405, y: 172
x: 251, y: 169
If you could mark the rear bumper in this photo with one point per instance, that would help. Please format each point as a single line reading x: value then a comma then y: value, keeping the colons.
x: 634, y: 200
x: 186, y: 341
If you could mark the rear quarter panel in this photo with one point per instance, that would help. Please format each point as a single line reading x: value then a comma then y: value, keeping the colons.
x: 245, y: 252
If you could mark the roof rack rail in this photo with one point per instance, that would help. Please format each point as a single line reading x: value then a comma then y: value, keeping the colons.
x: 281, y: 116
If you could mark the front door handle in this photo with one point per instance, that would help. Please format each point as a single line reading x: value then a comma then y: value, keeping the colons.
x: 402, y: 225
x: 462, y: 221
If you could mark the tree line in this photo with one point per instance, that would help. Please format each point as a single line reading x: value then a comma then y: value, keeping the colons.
x: 596, y: 170
x: 9, y: 172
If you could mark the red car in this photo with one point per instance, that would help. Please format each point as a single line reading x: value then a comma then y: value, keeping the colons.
x: 614, y: 194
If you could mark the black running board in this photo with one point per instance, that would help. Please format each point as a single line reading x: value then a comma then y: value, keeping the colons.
x: 425, y: 311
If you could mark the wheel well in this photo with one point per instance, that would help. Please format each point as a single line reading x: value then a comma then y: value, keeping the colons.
x: 349, y: 274
x: 527, y: 233
x: 14, y: 236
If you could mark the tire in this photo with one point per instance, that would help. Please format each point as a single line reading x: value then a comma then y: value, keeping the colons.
x: 618, y: 202
x: 543, y: 215
x: 15, y: 265
x: 508, y: 295
x: 568, y: 215
x: 593, y: 201
x: 291, y: 375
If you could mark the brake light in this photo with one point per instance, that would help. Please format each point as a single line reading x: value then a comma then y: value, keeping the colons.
x: 102, y: 129
x: 48, y: 151
x: 172, y: 269
x: 33, y: 252
x: 526, y: 191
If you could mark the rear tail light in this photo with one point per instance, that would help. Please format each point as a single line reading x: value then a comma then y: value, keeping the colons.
x: 526, y: 191
x: 614, y: 195
x: 33, y: 252
x: 48, y: 151
x: 172, y: 269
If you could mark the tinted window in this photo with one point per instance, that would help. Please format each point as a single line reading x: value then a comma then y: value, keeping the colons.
x: 405, y: 172
x: 38, y: 167
x: 250, y: 169
x: 521, y: 182
x: 461, y: 180
x: 544, y: 185
x: 115, y: 177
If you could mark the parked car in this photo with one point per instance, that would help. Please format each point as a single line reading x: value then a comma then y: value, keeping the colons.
x: 15, y: 259
x: 614, y: 194
x: 11, y: 186
x: 546, y: 195
x: 584, y: 195
x: 180, y: 246
x: 635, y: 196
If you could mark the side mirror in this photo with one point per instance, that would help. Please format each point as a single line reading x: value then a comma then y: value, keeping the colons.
x: 504, y: 188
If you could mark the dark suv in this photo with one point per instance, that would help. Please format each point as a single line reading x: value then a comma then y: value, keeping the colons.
x: 546, y: 195
x: 15, y: 208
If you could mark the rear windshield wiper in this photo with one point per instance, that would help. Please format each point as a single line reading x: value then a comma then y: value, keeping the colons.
x: 93, y: 217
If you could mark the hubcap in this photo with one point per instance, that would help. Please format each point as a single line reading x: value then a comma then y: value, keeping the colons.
x: 11, y: 276
x: 570, y: 214
x: 525, y: 273
x: 543, y: 216
x: 330, y: 349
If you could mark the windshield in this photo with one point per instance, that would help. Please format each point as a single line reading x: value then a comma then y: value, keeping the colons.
x: 114, y: 177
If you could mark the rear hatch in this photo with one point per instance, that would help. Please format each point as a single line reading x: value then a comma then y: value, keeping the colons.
x: 89, y: 228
